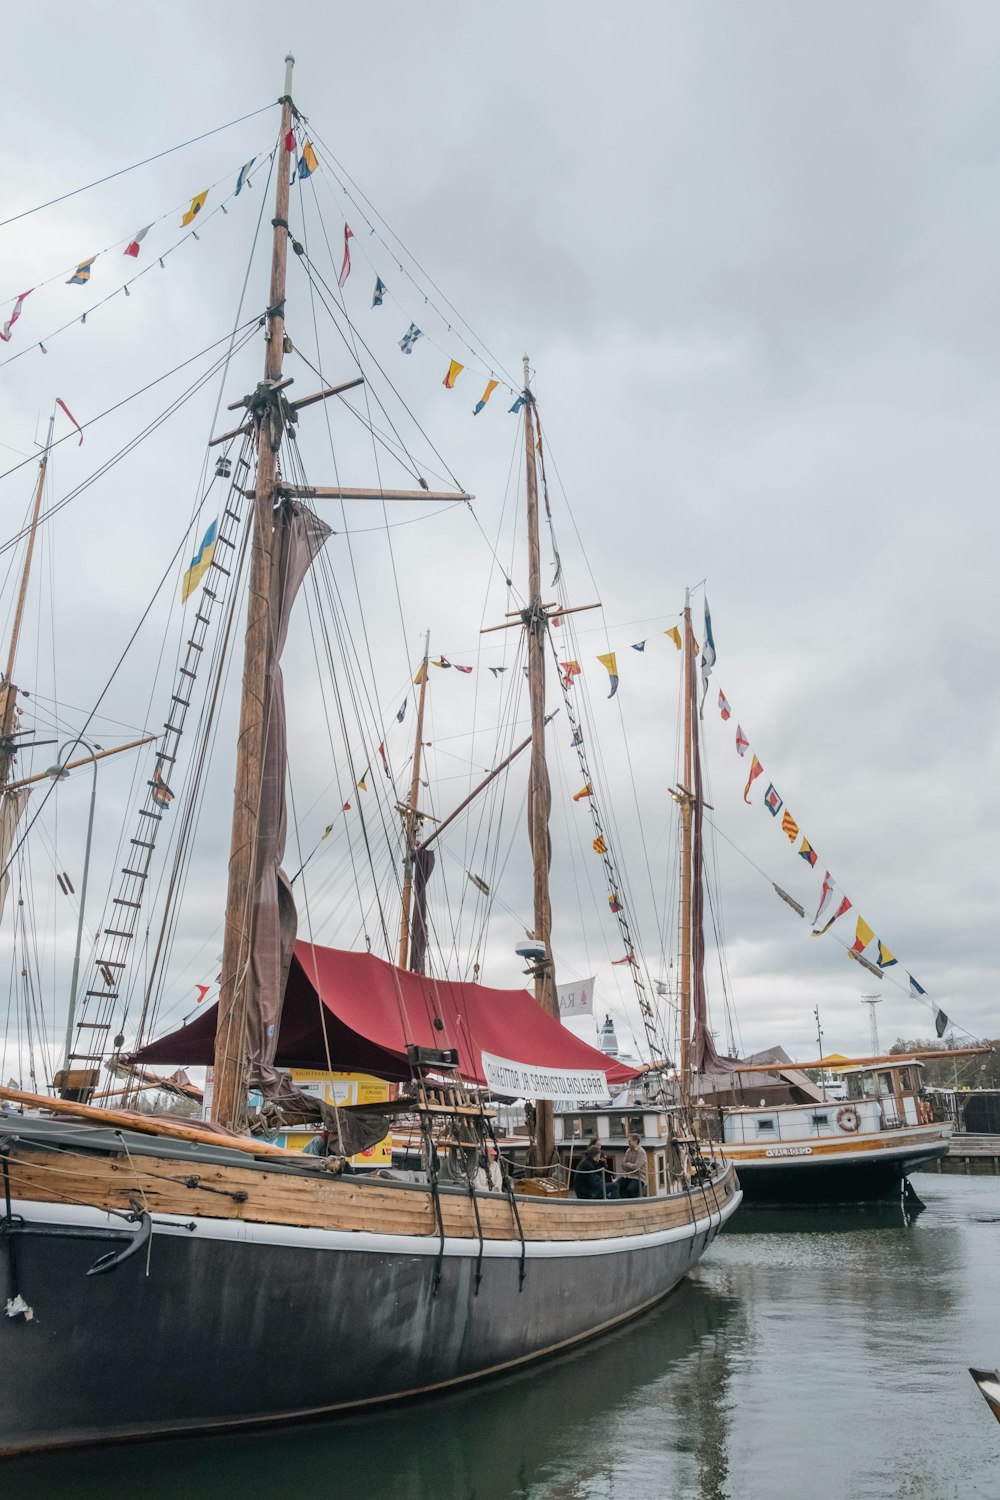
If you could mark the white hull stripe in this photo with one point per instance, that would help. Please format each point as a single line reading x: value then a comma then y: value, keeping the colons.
x: 244, y: 1232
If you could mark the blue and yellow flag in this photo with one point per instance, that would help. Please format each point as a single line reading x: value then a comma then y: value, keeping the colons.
x: 81, y: 275
x: 197, y: 204
x: 885, y: 959
x: 610, y: 662
x: 491, y: 386
x: 200, y: 563
x: 307, y: 162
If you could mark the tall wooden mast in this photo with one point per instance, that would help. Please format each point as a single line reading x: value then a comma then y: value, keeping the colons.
x: 8, y: 688
x: 411, y: 823
x: 686, y: 802
x: 538, y: 801
x: 230, y: 1081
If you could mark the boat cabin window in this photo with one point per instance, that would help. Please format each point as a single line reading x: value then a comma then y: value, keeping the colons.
x: 572, y: 1128
x: 885, y: 1085
x: 618, y: 1126
x: 905, y: 1082
x: 590, y: 1126
x: 860, y: 1086
x: 765, y: 1127
x: 821, y: 1119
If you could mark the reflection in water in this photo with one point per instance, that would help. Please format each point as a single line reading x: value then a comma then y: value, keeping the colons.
x: 559, y: 1430
x: 840, y: 1219
x: 821, y: 1354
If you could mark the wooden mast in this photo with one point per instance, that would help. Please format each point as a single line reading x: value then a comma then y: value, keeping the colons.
x: 411, y: 822
x: 538, y: 803
x: 8, y: 712
x: 229, y: 1100
x: 686, y: 800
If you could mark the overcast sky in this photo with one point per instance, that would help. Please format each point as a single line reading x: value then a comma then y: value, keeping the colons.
x: 752, y: 251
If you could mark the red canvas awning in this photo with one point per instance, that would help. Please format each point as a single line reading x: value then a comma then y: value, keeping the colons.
x: 360, y: 1013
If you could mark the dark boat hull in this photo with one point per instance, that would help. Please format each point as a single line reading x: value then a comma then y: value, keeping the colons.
x: 233, y: 1323
x: 869, y: 1177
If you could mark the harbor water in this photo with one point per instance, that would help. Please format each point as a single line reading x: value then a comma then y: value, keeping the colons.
x: 819, y: 1354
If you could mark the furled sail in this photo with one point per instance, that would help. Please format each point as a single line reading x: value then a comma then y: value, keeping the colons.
x: 705, y: 1058
x: 12, y: 805
x: 299, y: 535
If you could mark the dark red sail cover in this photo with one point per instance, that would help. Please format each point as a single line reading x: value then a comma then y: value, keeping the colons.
x: 369, y: 1011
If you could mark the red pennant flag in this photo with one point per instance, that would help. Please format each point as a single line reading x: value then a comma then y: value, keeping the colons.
x: 570, y: 670
x: 60, y: 402
x: 756, y: 769
x: 824, y: 898
x: 290, y: 140
x: 385, y: 763
x: 628, y: 959
x: 844, y: 906
x: 345, y: 268
x: 8, y: 325
x: 203, y: 990
x: 132, y: 248
x: 346, y: 807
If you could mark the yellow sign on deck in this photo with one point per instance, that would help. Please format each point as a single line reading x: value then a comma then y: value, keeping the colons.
x: 343, y: 1089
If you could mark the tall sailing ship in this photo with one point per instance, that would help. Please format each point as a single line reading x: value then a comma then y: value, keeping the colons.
x: 124, y: 1236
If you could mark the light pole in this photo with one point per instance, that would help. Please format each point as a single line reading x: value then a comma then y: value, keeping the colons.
x: 871, y: 1001
x: 58, y: 772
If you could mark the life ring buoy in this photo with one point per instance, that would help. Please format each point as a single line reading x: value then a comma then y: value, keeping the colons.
x: 848, y: 1118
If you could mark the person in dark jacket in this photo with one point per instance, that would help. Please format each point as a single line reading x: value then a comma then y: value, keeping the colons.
x: 589, y: 1174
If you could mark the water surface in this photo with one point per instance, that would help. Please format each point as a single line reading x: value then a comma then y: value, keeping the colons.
x: 821, y: 1355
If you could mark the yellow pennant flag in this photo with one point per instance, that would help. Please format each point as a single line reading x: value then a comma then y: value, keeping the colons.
x: 363, y: 783
x: 197, y: 204
x: 421, y: 673
x: 587, y: 791
x: 454, y: 371
x: 863, y: 936
x: 600, y: 847
x: 674, y: 635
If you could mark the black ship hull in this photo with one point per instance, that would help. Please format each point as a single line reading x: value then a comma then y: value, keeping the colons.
x: 220, y: 1323
x: 870, y: 1177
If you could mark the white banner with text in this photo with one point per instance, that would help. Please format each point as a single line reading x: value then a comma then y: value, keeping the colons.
x: 529, y: 1081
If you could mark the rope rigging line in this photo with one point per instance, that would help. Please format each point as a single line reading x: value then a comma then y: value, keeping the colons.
x: 178, y: 402
x: 248, y: 328
x: 182, y: 670
x: 145, y: 162
x: 121, y: 290
x: 203, y: 218
x: 192, y: 790
x: 885, y: 978
x: 314, y: 275
x: 366, y: 395
x: 332, y: 162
